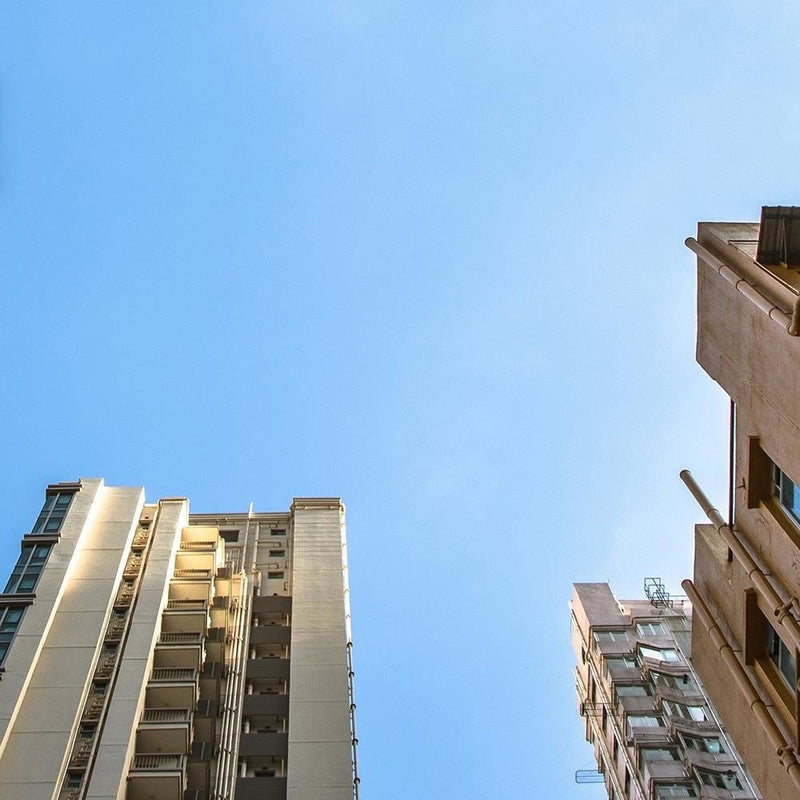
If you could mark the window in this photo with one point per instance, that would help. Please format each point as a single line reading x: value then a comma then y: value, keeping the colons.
x: 720, y: 780
x: 27, y: 569
x: 644, y: 721
x: 53, y: 513
x: 659, y: 653
x: 650, y: 629
x: 615, y: 752
x: 618, y: 664
x: 278, y: 532
x: 633, y: 690
x: 611, y: 636
x: 648, y: 754
x: 230, y: 536
x: 682, y: 683
x: 683, y: 711
x: 786, y: 493
x: 277, y: 554
x: 275, y: 576
x: 74, y: 780
x: 665, y: 790
x: 705, y: 744
x: 10, y: 618
x: 781, y: 656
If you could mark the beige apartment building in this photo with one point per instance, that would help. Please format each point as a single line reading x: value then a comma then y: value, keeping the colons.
x: 147, y: 653
x: 653, y: 728
x: 746, y: 584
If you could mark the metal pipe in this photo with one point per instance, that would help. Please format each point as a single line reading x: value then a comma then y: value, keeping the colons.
x: 783, y: 749
x: 764, y: 588
x: 752, y: 287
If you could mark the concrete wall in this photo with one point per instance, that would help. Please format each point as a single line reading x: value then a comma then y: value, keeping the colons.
x: 59, y: 640
x: 319, y: 761
x: 116, y: 746
x: 758, y: 364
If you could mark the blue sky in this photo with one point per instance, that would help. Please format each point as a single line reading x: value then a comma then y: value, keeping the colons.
x: 425, y: 256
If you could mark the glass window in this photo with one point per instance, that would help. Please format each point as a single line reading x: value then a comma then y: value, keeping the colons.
x: 275, y: 575
x: 632, y: 690
x: 705, y: 744
x: 611, y: 636
x: 666, y: 790
x: 277, y: 553
x: 683, y: 711
x: 682, y: 683
x: 27, y: 569
x: 659, y: 653
x: 53, y: 512
x: 644, y: 721
x: 782, y: 657
x: 278, y: 532
x: 651, y: 629
x: 720, y: 780
x: 648, y: 754
x: 10, y: 618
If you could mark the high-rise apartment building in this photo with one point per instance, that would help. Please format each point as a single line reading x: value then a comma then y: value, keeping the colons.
x: 147, y: 653
x: 654, y: 731
x: 746, y: 634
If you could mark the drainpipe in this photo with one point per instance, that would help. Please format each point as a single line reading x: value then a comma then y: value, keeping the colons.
x: 783, y: 749
x: 766, y: 592
x: 752, y: 287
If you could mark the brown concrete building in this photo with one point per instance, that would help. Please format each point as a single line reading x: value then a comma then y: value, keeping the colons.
x: 147, y: 653
x: 746, y: 583
x: 654, y: 731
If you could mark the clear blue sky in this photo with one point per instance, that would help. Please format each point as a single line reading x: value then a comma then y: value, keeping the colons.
x: 425, y: 256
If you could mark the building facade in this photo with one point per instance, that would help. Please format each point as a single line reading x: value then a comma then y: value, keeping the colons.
x: 654, y: 731
x: 147, y: 653
x: 746, y: 582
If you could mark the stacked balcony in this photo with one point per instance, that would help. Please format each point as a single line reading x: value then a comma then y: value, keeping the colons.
x: 175, y: 733
x: 263, y: 745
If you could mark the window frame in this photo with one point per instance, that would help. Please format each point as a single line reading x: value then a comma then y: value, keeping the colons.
x: 54, y: 511
x: 25, y: 575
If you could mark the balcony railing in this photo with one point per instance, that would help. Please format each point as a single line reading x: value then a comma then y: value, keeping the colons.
x: 161, y: 761
x: 193, y: 574
x: 133, y: 566
x: 173, y: 674
x: 205, y: 546
x: 80, y: 756
x: 94, y: 706
x: 180, y: 638
x: 187, y: 605
x: 166, y: 715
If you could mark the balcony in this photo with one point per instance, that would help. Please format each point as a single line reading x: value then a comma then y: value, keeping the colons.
x: 164, y: 730
x: 107, y: 661
x: 157, y: 775
x: 258, y: 788
x: 82, y: 753
x: 270, y: 634
x: 185, y: 615
x: 193, y: 574
x: 125, y: 594
x: 179, y: 650
x: 264, y: 744
x: 266, y: 705
x: 267, y: 668
x: 197, y: 556
x: 172, y: 688
x: 140, y: 539
x: 133, y: 567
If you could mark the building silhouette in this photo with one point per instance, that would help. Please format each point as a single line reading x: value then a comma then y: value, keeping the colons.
x: 746, y: 581
x: 654, y: 731
x: 152, y: 654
